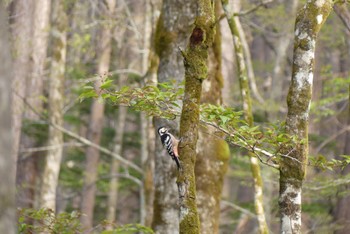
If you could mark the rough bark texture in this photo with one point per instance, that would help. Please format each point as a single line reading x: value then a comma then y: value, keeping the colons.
x: 7, y: 161
x: 292, y: 172
x: 96, y: 121
x: 172, y: 31
x: 56, y: 103
x: 196, y: 71
x: 248, y: 115
x: 212, y: 152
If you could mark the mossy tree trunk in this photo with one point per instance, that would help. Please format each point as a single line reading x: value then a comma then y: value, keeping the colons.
x: 172, y: 31
x: 56, y: 103
x: 248, y: 115
x: 212, y: 151
x: 293, y: 168
x: 196, y: 71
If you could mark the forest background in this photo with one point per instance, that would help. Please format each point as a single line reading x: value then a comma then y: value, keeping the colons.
x: 92, y: 81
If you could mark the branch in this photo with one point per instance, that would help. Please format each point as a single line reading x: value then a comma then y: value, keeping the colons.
x: 96, y: 146
x: 50, y: 147
x: 343, y: 14
x: 331, y: 138
x: 83, y: 140
x: 256, y: 7
x: 237, y: 207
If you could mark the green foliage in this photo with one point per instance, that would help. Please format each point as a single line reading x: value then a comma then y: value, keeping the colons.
x: 36, y: 221
x: 335, y: 90
x: 45, y: 220
x: 321, y: 162
x: 129, y: 229
x: 266, y: 142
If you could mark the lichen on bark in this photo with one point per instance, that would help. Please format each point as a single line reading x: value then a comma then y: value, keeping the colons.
x: 195, y: 62
x: 293, y: 168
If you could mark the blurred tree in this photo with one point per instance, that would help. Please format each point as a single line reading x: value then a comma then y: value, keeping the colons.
x: 21, y: 13
x: 96, y: 116
x: 7, y: 159
x: 55, y: 106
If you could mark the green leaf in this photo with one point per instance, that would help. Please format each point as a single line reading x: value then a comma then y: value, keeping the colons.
x: 224, y: 119
x: 107, y: 84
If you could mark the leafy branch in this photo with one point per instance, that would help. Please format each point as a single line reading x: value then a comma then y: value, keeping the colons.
x: 264, y: 141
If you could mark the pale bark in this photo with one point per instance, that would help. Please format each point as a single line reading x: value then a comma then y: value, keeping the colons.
x: 56, y: 103
x: 248, y: 115
x: 292, y: 172
x: 212, y: 151
x: 113, y: 186
x: 7, y: 161
x: 147, y: 158
x: 173, y: 27
x: 96, y: 120
x: 22, y: 13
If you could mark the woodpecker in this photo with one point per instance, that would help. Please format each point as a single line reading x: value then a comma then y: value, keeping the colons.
x: 170, y: 143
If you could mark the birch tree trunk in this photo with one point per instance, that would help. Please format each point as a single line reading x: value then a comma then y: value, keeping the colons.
x: 196, y: 71
x: 96, y: 120
x: 56, y: 103
x: 7, y: 161
x: 212, y: 152
x: 172, y: 31
x: 248, y: 115
x: 293, y: 168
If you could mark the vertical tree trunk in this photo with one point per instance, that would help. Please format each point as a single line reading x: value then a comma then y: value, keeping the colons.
x: 56, y: 103
x: 212, y: 152
x: 293, y: 168
x: 96, y: 120
x: 172, y: 31
x: 341, y: 212
x: 7, y: 161
x: 248, y: 115
x: 22, y: 13
x: 196, y: 71
x: 281, y: 53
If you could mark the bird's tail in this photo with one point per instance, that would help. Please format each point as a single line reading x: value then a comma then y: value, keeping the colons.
x: 176, y: 159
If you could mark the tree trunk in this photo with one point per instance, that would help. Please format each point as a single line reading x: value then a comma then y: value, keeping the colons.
x: 293, y: 168
x: 170, y: 34
x: 96, y: 121
x: 196, y: 71
x: 283, y: 43
x: 22, y: 14
x: 56, y: 103
x: 212, y: 152
x: 341, y: 212
x: 7, y: 161
x: 113, y: 184
x: 248, y: 115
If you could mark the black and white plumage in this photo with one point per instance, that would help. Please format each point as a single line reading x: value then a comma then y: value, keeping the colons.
x: 170, y: 143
